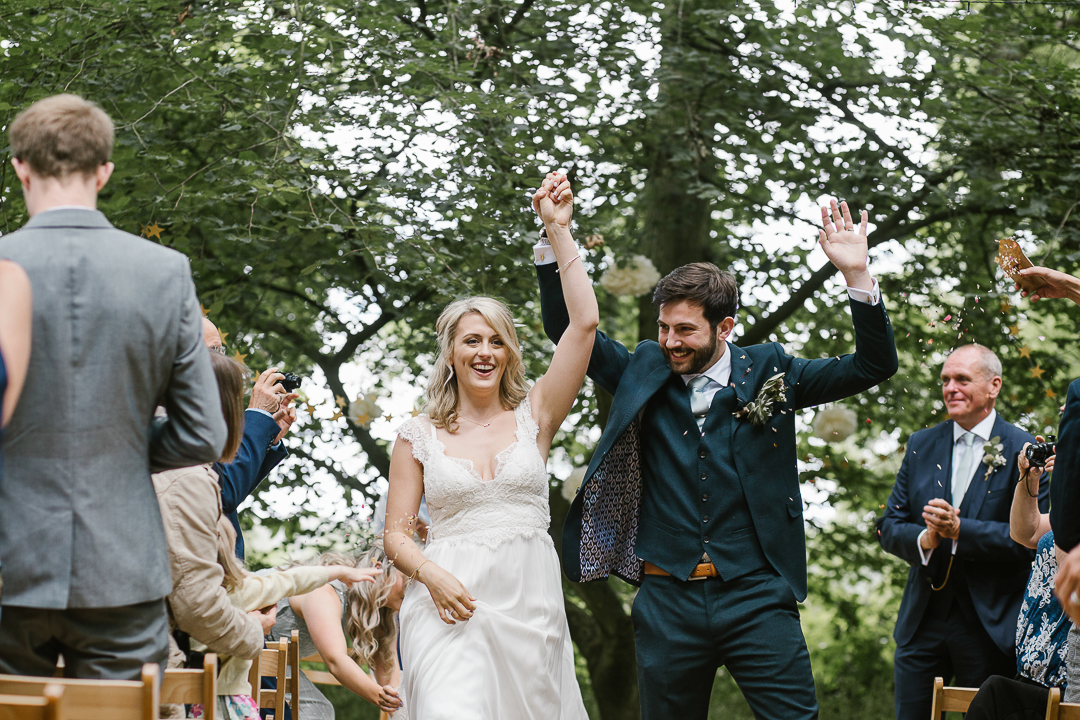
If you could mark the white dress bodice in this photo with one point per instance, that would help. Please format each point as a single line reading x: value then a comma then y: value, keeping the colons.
x: 466, y: 508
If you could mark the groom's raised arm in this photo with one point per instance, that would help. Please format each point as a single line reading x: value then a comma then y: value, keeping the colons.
x: 874, y: 360
x: 609, y: 357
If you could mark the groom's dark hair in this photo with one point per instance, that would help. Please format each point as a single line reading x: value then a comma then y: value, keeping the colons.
x: 703, y: 284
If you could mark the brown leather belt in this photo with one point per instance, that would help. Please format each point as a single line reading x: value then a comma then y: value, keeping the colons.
x: 702, y: 571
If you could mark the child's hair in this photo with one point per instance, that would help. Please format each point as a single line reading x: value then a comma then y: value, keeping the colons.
x: 369, y: 622
x: 226, y: 555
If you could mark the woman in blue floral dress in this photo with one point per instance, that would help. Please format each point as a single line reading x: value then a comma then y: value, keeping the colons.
x: 1042, y: 629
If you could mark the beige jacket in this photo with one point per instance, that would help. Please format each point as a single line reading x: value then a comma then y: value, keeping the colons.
x: 190, y: 502
x: 258, y: 591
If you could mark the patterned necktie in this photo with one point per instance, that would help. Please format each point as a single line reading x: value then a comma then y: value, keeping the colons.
x: 962, y: 476
x: 699, y: 401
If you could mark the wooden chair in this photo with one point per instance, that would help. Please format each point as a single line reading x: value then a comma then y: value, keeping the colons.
x: 321, y: 677
x: 271, y: 663
x: 47, y: 706
x: 950, y: 699
x: 1057, y: 710
x: 96, y: 699
x: 189, y: 686
x: 294, y: 674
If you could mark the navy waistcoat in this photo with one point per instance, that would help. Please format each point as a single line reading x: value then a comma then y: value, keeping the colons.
x: 692, y: 499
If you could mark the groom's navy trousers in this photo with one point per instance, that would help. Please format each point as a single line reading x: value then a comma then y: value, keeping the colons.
x: 747, y: 620
x: 685, y: 630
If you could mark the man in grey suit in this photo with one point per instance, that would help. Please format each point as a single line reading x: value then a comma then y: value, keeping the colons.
x: 117, y: 332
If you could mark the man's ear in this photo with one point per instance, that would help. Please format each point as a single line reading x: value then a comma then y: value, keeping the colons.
x: 22, y: 171
x: 102, y: 175
x: 724, y: 328
x: 995, y: 387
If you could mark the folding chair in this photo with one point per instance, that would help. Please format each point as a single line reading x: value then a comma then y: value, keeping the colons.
x: 321, y: 677
x: 950, y: 699
x: 190, y: 686
x: 47, y: 706
x: 294, y: 674
x: 271, y: 663
x: 96, y: 699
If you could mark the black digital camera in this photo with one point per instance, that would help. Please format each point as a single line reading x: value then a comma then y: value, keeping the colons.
x: 1038, y: 453
x: 290, y: 382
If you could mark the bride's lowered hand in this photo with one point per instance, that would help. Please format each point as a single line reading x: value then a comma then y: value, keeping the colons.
x: 450, y: 597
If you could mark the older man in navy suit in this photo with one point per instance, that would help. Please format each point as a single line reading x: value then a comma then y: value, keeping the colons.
x: 948, y: 517
x: 693, y: 491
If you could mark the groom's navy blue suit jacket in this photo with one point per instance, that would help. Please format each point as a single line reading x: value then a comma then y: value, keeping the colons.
x: 601, y: 530
x: 994, y: 566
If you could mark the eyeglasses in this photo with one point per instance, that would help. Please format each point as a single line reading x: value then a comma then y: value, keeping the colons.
x: 218, y: 348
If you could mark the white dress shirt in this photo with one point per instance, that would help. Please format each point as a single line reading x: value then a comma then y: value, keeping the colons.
x: 719, y: 374
x: 982, y: 433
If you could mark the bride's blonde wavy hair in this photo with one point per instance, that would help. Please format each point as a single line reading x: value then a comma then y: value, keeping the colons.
x: 441, y: 398
x: 369, y: 623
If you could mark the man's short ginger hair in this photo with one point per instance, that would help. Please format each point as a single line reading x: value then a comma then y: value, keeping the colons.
x: 703, y: 284
x: 62, y: 135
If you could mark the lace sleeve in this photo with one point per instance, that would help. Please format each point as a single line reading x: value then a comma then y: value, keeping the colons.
x: 417, y: 431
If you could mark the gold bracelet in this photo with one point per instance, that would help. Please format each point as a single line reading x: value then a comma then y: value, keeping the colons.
x: 417, y: 570
x: 576, y: 257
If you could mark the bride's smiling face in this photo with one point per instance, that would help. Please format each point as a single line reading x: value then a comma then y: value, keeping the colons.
x: 480, y: 355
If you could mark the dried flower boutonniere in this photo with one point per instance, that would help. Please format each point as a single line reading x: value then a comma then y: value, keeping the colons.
x: 992, y: 457
x: 760, y: 409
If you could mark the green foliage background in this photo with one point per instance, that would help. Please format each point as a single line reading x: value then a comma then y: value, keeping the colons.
x: 338, y: 171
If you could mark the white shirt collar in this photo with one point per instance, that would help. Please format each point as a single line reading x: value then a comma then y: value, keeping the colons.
x: 719, y: 372
x: 983, y: 430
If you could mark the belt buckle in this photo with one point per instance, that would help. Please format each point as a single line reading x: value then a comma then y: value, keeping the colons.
x: 696, y: 579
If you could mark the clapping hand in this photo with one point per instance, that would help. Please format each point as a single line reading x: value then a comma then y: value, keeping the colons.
x: 554, y: 201
x: 942, y: 518
x: 846, y: 246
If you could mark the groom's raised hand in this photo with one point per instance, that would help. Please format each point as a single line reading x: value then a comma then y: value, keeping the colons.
x: 845, y: 246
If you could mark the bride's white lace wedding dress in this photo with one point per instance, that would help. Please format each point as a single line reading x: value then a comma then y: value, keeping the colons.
x: 513, y: 660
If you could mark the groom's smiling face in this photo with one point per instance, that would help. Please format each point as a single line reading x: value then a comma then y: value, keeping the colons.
x: 689, y: 343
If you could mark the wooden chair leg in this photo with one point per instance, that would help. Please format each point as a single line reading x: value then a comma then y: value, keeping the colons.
x: 939, y: 697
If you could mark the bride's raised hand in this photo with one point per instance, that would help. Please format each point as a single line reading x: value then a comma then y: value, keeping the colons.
x: 554, y: 201
x: 451, y: 599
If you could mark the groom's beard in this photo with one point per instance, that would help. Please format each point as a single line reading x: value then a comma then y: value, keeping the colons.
x: 695, y: 362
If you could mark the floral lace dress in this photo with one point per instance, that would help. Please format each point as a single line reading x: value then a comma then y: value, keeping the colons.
x: 513, y: 660
x: 1043, y: 627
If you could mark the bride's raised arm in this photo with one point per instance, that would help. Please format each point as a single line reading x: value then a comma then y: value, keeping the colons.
x: 555, y: 392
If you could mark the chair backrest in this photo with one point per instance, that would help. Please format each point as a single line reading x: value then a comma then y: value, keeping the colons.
x: 271, y: 662
x: 1057, y: 710
x: 321, y: 677
x: 190, y: 686
x: 294, y: 674
x: 47, y: 706
x: 96, y: 699
x: 950, y: 699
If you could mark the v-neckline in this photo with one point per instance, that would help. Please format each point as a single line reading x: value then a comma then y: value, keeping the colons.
x: 470, y: 466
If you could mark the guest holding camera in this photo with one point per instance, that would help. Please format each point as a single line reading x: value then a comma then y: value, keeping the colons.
x: 948, y: 517
x: 1043, y: 627
x: 267, y: 420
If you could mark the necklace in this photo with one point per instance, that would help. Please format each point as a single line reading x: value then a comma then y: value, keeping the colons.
x: 482, y: 424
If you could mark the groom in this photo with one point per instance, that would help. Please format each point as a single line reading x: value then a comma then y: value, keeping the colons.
x: 693, y: 491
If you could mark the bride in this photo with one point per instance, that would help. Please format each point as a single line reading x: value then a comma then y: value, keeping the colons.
x: 483, y: 631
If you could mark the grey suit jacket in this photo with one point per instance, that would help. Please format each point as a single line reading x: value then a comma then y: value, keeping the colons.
x: 117, y: 332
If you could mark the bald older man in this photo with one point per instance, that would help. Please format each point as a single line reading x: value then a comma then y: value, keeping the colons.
x: 267, y: 420
x: 948, y: 517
